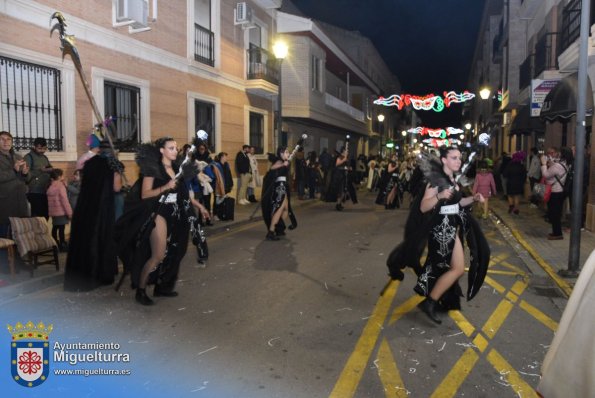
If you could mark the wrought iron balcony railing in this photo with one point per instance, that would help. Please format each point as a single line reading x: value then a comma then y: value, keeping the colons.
x: 204, y: 45
x: 262, y: 65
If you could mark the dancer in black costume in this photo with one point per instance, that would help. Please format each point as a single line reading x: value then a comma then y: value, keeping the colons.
x: 92, y: 257
x: 341, y: 185
x: 153, y: 232
x: 276, y: 199
x: 389, y: 193
x: 443, y: 216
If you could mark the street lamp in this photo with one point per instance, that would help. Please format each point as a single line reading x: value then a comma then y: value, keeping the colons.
x: 468, y: 126
x: 484, y: 93
x: 280, y: 50
x: 381, y: 128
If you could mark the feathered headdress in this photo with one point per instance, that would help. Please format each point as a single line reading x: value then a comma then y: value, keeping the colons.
x: 148, y: 158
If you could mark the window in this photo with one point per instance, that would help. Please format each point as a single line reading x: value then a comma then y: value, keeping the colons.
x: 122, y: 102
x: 257, y: 132
x: 315, y: 74
x: 204, y: 119
x: 30, y: 97
x: 204, y: 38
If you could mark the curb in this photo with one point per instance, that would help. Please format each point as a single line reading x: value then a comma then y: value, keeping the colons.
x: 564, y: 286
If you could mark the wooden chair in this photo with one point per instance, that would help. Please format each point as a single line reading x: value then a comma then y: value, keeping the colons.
x: 33, y: 240
x: 9, y: 246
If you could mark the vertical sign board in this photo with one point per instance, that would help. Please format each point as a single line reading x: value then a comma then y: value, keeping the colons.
x: 539, y: 90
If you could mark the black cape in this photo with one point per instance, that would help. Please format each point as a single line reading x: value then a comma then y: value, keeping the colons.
x: 92, y: 259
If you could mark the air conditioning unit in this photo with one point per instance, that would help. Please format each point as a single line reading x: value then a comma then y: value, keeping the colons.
x: 132, y: 12
x: 242, y: 14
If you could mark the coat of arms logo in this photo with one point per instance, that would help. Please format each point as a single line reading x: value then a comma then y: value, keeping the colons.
x: 30, y: 358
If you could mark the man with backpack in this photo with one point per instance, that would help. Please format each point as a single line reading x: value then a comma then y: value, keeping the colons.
x: 555, y: 166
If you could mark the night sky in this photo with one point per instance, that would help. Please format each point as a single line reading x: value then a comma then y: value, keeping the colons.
x: 428, y: 44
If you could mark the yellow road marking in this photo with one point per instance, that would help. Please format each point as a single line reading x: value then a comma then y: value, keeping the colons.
x: 512, y: 267
x: 404, y: 308
x: 498, y: 287
x: 462, y: 322
x: 457, y: 375
x: 389, y: 373
x: 356, y: 364
x: 501, y: 312
x: 566, y: 288
x: 520, y: 387
x: 540, y: 316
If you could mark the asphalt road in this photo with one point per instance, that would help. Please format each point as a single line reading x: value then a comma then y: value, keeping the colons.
x: 302, y: 317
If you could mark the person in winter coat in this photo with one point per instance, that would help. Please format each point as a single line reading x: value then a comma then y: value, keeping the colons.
x: 485, y: 185
x: 515, y: 176
x: 58, y: 207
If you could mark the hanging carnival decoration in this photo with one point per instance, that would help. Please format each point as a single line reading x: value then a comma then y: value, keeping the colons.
x: 436, y: 133
x: 438, y: 142
x: 426, y: 102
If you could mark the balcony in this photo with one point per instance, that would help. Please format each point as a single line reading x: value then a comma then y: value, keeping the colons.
x: 546, y: 53
x: 204, y: 45
x: 571, y: 23
x: 263, y: 72
x: 344, y: 107
x: 525, y: 74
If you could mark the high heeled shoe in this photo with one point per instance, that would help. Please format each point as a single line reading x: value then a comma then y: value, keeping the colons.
x: 142, y: 297
x: 271, y: 236
x: 429, y: 307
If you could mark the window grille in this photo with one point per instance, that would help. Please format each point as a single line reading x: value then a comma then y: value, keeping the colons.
x: 122, y: 102
x: 257, y: 132
x: 204, y: 119
x: 30, y: 103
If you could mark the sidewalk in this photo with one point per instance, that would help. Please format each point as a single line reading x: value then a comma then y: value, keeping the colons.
x: 46, y: 275
x: 531, y: 230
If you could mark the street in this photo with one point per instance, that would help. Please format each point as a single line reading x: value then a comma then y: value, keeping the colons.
x: 302, y: 317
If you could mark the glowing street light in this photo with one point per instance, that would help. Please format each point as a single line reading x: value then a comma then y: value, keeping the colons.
x: 468, y: 126
x: 404, y: 133
x: 484, y: 93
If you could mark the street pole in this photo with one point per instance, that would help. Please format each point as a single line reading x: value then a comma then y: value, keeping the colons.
x: 579, y: 159
x: 279, y: 113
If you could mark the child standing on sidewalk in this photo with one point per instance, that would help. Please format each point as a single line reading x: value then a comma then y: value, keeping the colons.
x: 485, y: 185
x: 58, y: 207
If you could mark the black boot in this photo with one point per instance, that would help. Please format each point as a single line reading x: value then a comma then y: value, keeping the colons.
x: 142, y: 298
x: 338, y: 207
x: 429, y: 307
x: 271, y: 236
x: 252, y: 199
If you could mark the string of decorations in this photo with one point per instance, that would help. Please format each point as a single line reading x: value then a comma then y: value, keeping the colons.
x: 438, y: 142
x: 436, y: 133
x: 426, y: 102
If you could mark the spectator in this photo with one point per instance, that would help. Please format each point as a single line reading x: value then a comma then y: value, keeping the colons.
x: 242, y: 165
x: 255, y: 181
x: 515, y: 176
x: 504, y: 160
x: 554, y: 166
x: 13, y: 189
x: 313, y: 174
x: 73, y: 189
x: 93, y: 144
x: 59, y: 208
x: 485, y: 185
x: 39, y: 178
x: 534, y: 172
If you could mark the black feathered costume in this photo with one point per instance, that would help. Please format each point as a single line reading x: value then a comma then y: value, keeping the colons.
x: 275, y: 189
x: 92, y: 258
x: 134, y: 228
x: 439, y: 231
x: 341, y: 184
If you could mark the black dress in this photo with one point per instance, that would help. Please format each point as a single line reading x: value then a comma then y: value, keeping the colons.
x: 276, y: 189
x: 439, y: 231
x: 134, y: 228
x: 341, y: 185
